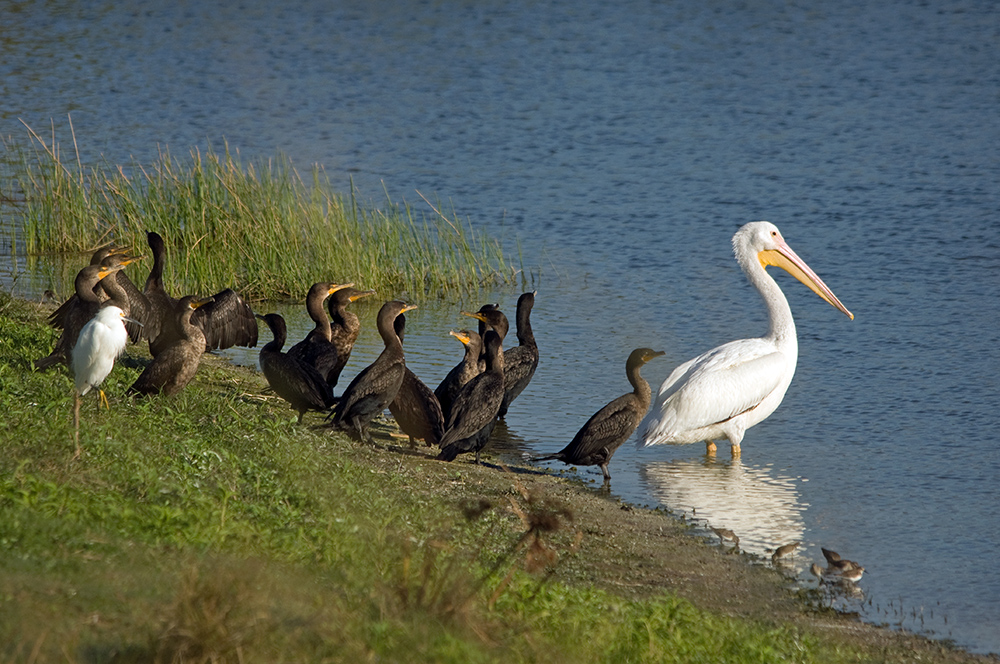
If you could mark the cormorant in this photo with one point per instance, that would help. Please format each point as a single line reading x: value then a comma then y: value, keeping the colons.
x: 226, y: 321
x: 176, y: 365
x: 608, y: 428
x: 463, y: 372
x: 318, y: 349
x: 83, y: 309
x: 141, y: 321
x: 520, y: 362
x: 474, y: 412
x: 415, y: 407
x: 377, y: 384
x: 490, y: 318
x: 57, y: 317
x: 344, y: 328
x: 292, y: 380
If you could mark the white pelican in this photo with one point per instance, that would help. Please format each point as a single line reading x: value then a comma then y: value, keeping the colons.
x: 727, y: 390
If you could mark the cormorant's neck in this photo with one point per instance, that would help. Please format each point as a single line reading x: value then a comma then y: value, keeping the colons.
x: 188, y: 329
x: 525, y: 336
x: 389, y: 338
x: 115, y: 292
x: 314, y: 305
x: 86, y: 286
x: 155, y: 279
x: 275, y: 346
x: 639, y: 385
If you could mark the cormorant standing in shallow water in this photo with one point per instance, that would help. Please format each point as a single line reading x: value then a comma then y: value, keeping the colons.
x: 415, y: 407
x: 318, y: 349
x: 490, y: 318
x: 463, y: 372
x: 294, y: 381
x: 520, y: 362
x: 474, y: 412
x: 608, y: 428
x: 376, y: 386
x: 344, y: 328
x: 176, y: 365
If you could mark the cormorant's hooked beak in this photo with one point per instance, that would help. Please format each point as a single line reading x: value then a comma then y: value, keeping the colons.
x: 478, y: 316
x: 336, y: 287
x: 195, y: 304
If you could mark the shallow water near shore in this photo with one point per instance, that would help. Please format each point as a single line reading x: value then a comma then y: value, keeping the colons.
x: 618, y: 147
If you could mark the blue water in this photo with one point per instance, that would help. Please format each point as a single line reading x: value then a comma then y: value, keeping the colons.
x: 619, y: 146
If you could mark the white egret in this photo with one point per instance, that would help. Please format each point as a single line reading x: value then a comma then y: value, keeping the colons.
x: 101, y: 341
x: 724, y: 392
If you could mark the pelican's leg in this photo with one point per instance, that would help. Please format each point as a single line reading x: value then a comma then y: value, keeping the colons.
x: 735, y: 449
x: 710, y: 447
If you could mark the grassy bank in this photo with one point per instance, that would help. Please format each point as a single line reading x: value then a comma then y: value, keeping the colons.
x: 210, y: 528
x: 259, y: 226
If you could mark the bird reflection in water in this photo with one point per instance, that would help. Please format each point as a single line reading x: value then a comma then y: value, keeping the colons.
x: 761, y: 506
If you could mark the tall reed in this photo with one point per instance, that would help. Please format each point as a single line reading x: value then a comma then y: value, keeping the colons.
x: 257, y: 226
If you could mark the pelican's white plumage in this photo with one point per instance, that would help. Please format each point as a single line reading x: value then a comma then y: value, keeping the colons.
x: 724, y: 392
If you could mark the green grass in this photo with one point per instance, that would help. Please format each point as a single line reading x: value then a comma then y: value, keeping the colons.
x: 210, y: 528
x: 259, y: 227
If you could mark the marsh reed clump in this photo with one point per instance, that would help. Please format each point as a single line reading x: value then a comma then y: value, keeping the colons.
x: 258, y: 226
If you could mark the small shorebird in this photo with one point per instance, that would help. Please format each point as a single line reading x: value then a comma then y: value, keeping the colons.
x: 831, y: 556
x: 843, y: 565
x: 853, y: 575
x: 783, y: 551
x: 817, y: 571
x: 726, y: 535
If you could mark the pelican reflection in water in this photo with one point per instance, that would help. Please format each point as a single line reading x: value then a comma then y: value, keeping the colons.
x: 759, y: 506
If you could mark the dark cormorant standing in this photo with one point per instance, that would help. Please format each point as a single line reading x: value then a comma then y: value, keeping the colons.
x: 490, y: 318
x: 294, y: 381
x: 176, y: 365
x: 474, y: 412
x: 84, y: 307
x: 520, y: 362
x: 608, y: 428
x: 56, y: 317
x: 226, y: 321
x: 462, y: 373
x: 344, y: 328
x: 317, y: 349
x: 377, y: 384
x: 415, y: 407
x: 141, y: 320
x: 162, y: 305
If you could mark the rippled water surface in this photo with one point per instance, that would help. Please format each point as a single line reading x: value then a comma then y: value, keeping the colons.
x: 620, y: 145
